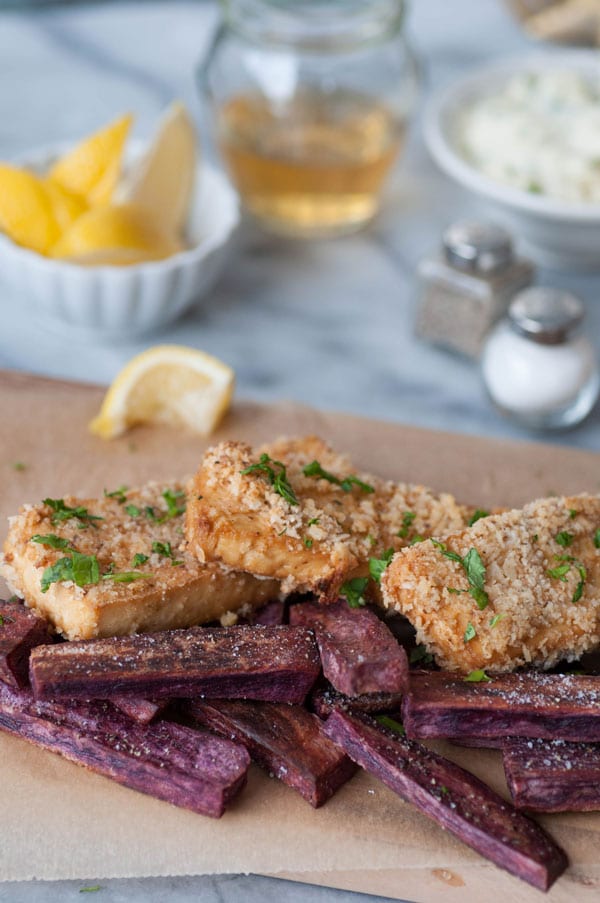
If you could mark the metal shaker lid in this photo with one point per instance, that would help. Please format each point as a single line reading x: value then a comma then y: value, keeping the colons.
x: 483, y: 247
x: 546, y: 315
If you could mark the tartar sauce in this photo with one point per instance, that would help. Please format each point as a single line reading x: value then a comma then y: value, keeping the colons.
x: 540, y: 132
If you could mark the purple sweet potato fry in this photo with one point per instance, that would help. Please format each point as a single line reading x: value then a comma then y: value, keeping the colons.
x: 275, y: 664
x: 452, y: 797
x: 177, y: 764
x: 527, y: 704
x: 285, y: 740
x: 20, y: 631
x: 323, y: 700
x: 358, y: 652
x: 270, y: 615
x: 141, y: 710
x: 552, y: 775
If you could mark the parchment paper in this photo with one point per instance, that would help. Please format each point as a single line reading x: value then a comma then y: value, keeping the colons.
x: 58, y: 821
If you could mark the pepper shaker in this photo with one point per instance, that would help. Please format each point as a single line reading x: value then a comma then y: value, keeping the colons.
x: 467, y: 287
x: 537, y: 366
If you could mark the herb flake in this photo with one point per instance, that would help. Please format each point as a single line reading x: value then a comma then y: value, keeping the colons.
x: 470, y: 633
x: 276, y: 473
x: 378, y: 565
x: 314, y: 469
x: 353, y: 591
x: 477, y: 515
x: 477, y: 676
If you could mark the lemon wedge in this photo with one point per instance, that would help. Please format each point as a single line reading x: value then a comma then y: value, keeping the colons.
x: 163, y: 181
x: 26, y: 210
x: 93, y: 167
x: 116, y: 236
x: 66, y: 205
x: 167, y: 384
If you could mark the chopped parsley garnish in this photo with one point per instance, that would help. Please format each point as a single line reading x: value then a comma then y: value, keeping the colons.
x: 564, y: 538
x: 52, y: 541
x: 477, y: 676
x: 127, y: 576
x: 133, y: 510
x: 573, y: 512
x: 163, y: 548
x: 560, y: 573
x: 4, y: 619
x: 314, y: 469
x: 386, y: 721
x: 19, y: 465
x: 497, y: 617
x: 477, y: 515
x: 313, y: 520
x: 117, y: 494
x: 470, y: 633
x: 407, y: 519
x: 92, y: 889
x: 174, y: 509
x: 535, y: 537
x: 420, y: 654
x: 173, y: 499
x: 474, y: 569
x: 83, y: 570
x: 416, y: 539
x: 307, y: 542
x: 353, y: 591
x: 138, y: 559
x: 378, y: 565
x: 562, y: 570
x: 276, y: 474
x: 597, y: 539
x: 62, y: 512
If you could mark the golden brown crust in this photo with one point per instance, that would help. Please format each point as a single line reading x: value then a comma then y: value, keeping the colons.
x: 538, y: 623
x: 314, y: 546
x: 174, y: 595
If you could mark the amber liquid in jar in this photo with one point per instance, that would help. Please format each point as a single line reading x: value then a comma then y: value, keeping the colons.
x: 313, y: 165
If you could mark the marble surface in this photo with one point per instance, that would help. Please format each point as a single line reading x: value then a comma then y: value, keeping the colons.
x: 328, y: 323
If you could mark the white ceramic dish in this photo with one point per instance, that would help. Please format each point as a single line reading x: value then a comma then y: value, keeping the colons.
x: 557, y: 233
x: 118, y: 302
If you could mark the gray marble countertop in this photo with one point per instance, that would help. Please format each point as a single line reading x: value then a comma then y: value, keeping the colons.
x: 329, y: 323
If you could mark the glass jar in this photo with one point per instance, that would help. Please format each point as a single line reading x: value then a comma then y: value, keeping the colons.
x: 310, y: 101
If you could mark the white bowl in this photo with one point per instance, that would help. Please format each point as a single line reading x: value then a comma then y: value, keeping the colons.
x: 556, y: 233
x: 118, y: 302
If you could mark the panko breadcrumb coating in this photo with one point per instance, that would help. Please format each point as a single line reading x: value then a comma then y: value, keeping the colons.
x: 319, y: 532
x: 175, y: 591
x: 541, y: 588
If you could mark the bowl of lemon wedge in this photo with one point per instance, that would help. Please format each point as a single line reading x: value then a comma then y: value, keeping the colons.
x: 116, y: 237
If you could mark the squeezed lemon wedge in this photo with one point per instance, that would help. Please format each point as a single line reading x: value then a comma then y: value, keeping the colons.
x: 168, y: 384
x: 115, y: 235
x: 92, y: 168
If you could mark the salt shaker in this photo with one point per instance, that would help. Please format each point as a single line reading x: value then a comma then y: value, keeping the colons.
x: 467, y: 287
x: 537, y: 366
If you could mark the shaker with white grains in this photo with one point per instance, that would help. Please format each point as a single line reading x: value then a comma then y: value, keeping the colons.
x: 466, y: 286
x: 537, y: 365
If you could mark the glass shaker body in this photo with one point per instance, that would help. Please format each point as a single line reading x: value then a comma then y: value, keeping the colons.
x: 539, y: 381
x: 310, y: 103
x: 457, y: 308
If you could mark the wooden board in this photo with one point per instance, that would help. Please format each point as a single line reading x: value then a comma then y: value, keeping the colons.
x: 66, y: 823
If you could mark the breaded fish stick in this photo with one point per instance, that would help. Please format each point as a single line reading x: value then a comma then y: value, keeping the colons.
x: 518, y: 588
x: 299, y: 512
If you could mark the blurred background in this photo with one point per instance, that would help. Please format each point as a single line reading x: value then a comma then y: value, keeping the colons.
x: 329, y: 321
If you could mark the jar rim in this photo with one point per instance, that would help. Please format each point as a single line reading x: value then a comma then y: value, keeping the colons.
x: 324, y: 26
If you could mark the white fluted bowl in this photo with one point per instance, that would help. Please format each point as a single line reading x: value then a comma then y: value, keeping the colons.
x: 118, y: 302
